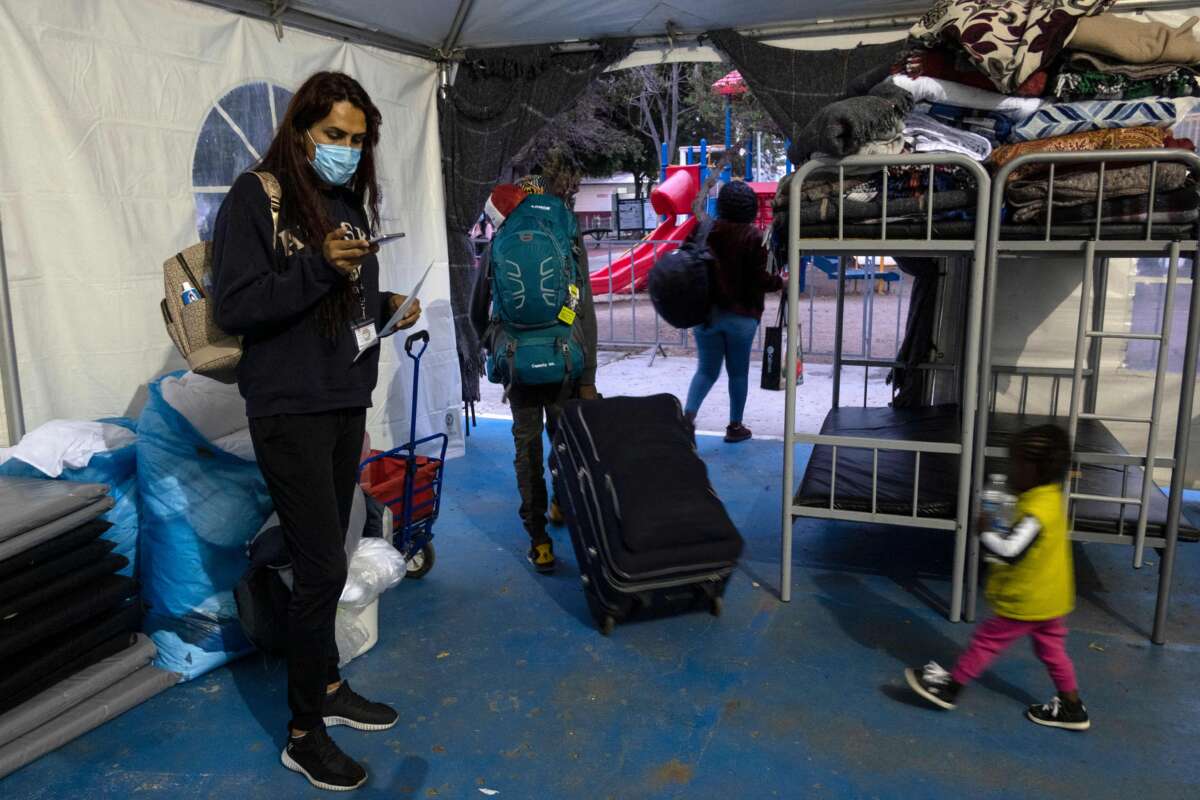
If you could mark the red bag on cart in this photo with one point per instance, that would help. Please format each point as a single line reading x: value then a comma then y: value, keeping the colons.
x: 384, y: 481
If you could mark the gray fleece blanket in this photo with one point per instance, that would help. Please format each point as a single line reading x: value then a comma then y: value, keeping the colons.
x: 845, y: 127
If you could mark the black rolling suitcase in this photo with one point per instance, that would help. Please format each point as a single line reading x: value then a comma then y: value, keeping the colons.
x: 648, y: 529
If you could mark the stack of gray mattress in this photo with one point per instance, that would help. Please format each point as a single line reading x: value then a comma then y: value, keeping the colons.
x: 71, y: 656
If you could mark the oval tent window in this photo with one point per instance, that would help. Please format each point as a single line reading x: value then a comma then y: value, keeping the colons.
x: 235, y: 135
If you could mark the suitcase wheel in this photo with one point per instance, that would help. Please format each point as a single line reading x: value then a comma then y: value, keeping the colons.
x: 607, y: 624
x: 420, y: 563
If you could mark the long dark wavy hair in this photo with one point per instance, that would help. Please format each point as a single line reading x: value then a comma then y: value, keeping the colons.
x: 303, y: 208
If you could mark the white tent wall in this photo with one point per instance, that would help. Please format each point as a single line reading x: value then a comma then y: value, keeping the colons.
x: 98, y: 151
x: 1037, y: 311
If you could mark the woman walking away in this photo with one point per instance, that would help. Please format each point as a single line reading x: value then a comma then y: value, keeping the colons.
x: 739, y: 287
x: 1031, y: 586
x: 305, y: 298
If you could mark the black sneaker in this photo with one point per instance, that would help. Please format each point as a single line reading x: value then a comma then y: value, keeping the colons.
x: 348, y: 707
x: 934, y: 684
x: 318, y: 758
x: 1058, y: 713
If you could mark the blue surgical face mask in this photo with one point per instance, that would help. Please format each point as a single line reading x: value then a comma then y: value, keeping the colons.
x: 335, y: 163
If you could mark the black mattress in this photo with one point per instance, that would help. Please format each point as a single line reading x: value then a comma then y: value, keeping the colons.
x: 26, y: 673
x: 938, y: 489
x: 41, y: 554
x: 46, y: 593
x: 25, y: 581
x: 82, y: 604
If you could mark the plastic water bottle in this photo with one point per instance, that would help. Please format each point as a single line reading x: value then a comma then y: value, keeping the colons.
x: 997, y: 504
x: 189, y: 294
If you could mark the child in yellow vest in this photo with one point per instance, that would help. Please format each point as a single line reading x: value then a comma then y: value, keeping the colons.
x: 1031, y: 585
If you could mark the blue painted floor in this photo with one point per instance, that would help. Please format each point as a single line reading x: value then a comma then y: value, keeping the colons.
x: 504, y: 684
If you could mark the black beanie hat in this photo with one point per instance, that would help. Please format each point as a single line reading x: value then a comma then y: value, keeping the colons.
x: 737, y: 202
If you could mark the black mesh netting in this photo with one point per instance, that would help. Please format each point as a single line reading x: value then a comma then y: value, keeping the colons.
x: 499, y: 99
x: 793, y: 85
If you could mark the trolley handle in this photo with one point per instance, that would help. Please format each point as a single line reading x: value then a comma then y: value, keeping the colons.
x: 423, y: 337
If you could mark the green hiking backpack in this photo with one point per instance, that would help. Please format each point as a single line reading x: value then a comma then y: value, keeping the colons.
x: 535, y: 296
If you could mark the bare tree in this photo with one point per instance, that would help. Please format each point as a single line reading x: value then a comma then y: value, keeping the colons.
x: 656, y: 105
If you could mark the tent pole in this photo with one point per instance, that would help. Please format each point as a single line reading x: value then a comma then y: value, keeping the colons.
x: 456, y: 27
x: 14, y: 412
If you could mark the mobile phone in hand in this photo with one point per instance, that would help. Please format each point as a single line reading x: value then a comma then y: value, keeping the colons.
x: 384, y: 238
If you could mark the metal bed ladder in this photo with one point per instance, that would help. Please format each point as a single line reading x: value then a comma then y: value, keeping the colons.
x: 1085, y: 335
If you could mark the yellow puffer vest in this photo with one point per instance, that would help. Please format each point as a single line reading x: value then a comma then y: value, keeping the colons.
x: 1041, y: 584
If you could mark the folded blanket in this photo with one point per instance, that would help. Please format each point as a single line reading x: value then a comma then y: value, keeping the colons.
x: 1027, y: 197
x: 1077, y: 59
x: 1110, y: 139
x: 1008, y: 40
x: 934, y: 90
x: 844, y: 128
x: 1073, y: 84
x: 1136, y: 42
x: 903, y: 181
x: 988, y: 124
x: 953, y: 65
x: 900, y: 208
x: 1062, y: 118
x: 929, y: 135
x: 1169, y: 208
x: 887, y: 147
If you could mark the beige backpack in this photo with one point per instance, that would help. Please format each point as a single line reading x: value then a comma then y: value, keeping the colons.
x: 208, y: 349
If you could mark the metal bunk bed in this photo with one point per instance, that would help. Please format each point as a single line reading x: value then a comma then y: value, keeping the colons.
x: 947, y: 450
x: 1113, y: 497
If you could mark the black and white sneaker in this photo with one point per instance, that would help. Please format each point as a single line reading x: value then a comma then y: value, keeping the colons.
x: 934, y: 684
x: 1058, y: 713
x: 348, y: 707
x: 318, y: 758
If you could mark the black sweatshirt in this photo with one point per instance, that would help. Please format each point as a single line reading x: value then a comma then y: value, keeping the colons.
x: 288, y: 366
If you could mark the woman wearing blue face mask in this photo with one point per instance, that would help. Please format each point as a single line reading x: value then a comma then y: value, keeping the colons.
x: 305, y: 300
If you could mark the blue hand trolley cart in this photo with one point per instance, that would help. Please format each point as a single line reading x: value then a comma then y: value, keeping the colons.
x: 408, y: 483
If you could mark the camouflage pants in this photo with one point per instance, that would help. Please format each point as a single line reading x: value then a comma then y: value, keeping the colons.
x: 534, y: 409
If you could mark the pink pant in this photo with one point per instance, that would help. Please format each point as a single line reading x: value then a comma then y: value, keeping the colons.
x: 993, y: 636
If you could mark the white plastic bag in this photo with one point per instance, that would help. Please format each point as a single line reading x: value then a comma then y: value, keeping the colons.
x: 350, y: 633
x: 375, y: 567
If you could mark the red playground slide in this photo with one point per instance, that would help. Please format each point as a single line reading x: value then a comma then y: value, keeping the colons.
x: 672, y: 198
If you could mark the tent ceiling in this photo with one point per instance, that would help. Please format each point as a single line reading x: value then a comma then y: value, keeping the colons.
x: 424, y: 28
x: 511, y: 22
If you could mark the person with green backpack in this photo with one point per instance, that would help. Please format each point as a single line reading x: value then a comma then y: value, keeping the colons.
x: 532, y: 308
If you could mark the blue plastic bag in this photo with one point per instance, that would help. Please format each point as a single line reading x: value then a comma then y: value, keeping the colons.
x: 116, y: 468
x: 200, y: 506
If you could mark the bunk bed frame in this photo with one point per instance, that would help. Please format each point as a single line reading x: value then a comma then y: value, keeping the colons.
x: 953, y: 442
x: 1084, y: 375
x: 960, y: 446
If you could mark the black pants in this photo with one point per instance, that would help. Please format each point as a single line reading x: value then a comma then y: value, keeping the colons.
x: 310, y: 462
x: 534, y: 408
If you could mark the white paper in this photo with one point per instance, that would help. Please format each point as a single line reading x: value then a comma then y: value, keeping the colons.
x: 389, y: 327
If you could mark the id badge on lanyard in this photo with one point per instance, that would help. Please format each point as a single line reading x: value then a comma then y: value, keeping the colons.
x: 363, y: 327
